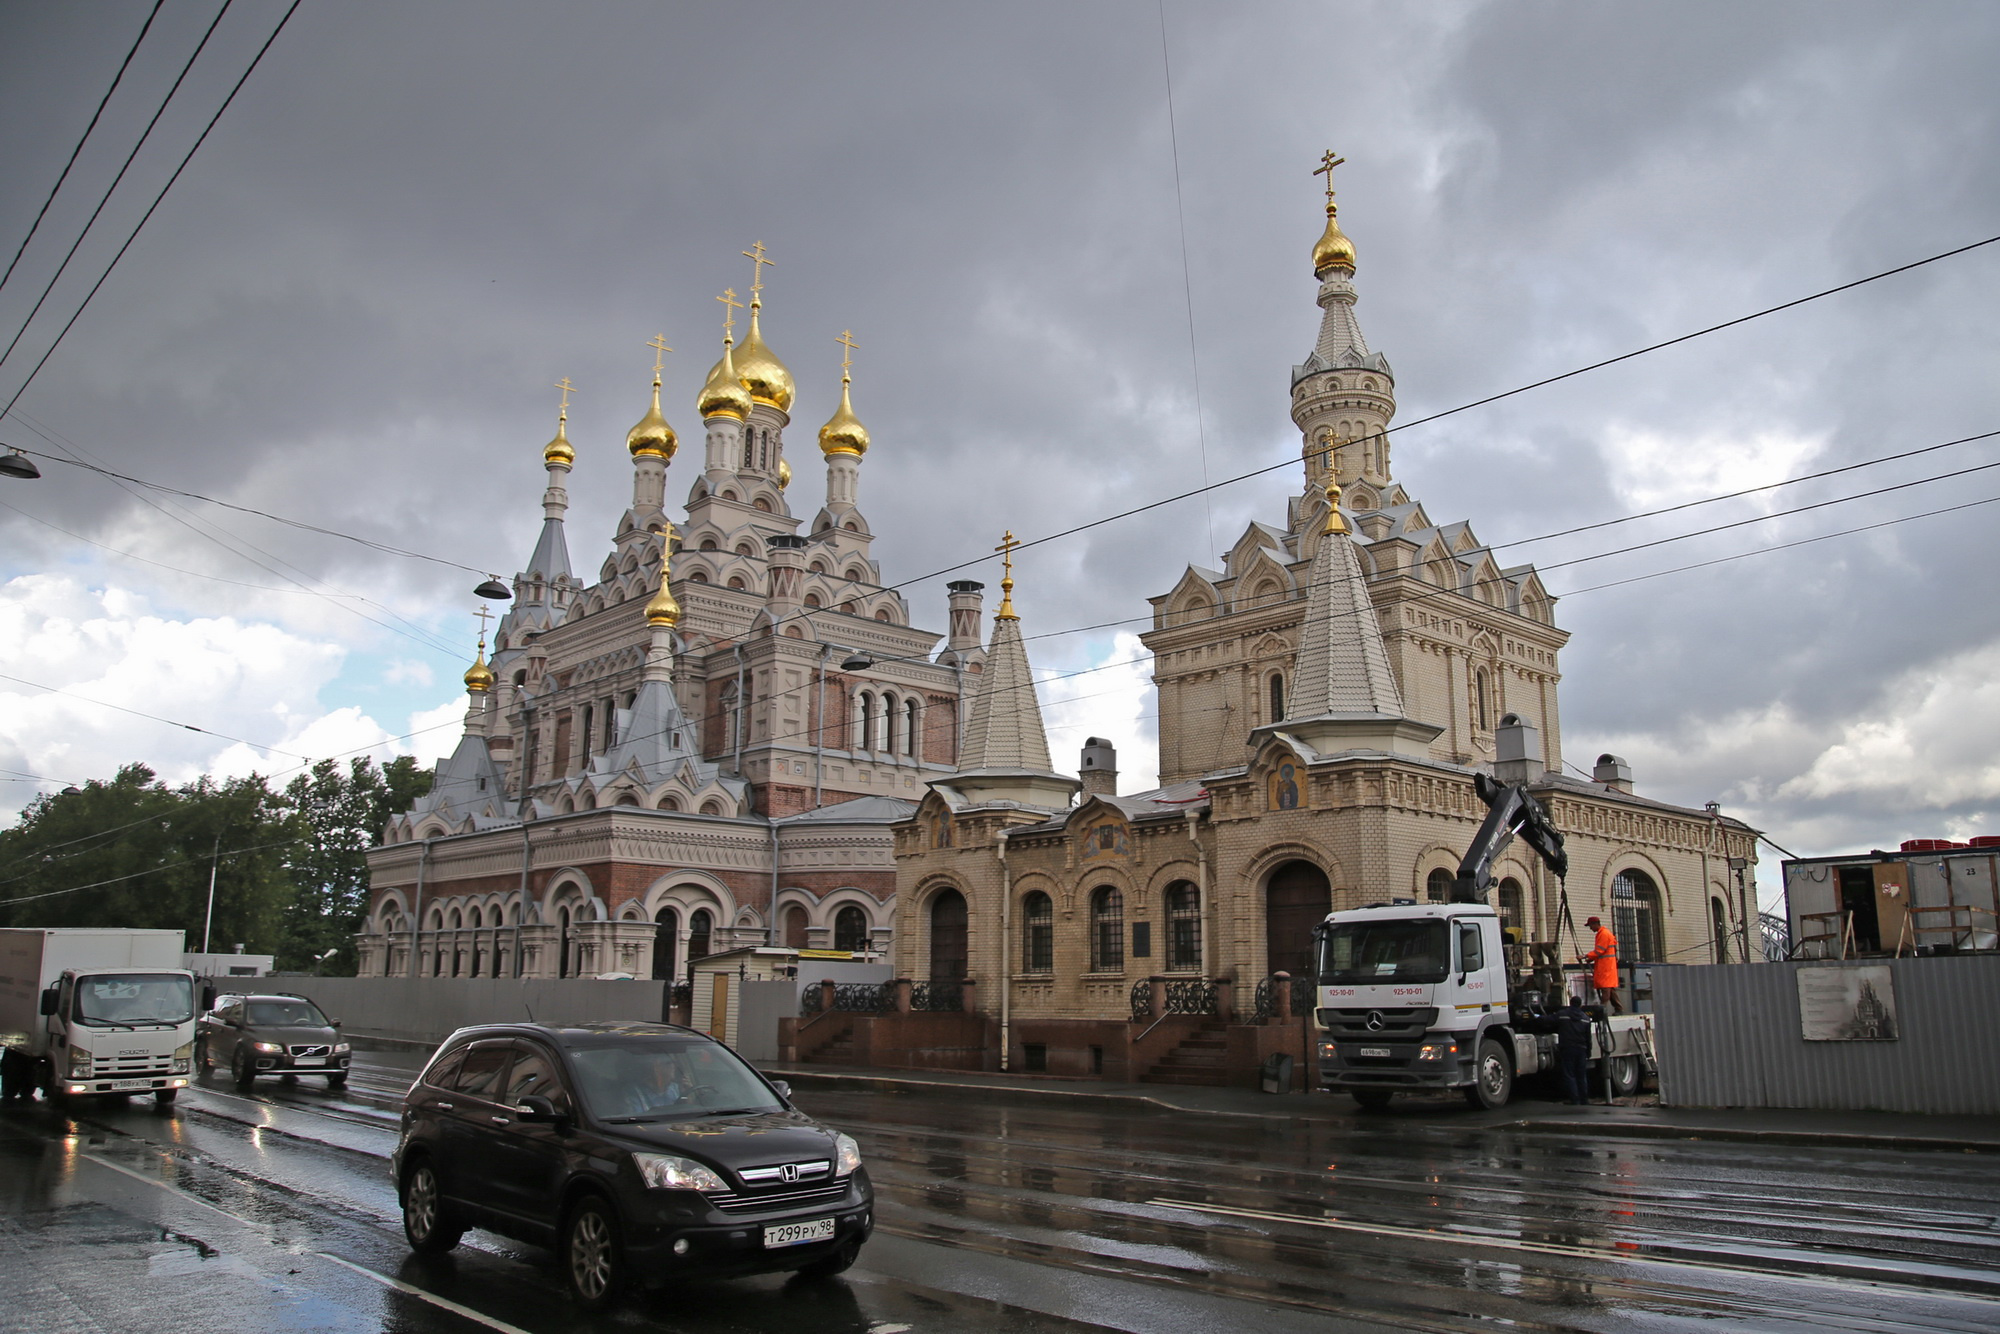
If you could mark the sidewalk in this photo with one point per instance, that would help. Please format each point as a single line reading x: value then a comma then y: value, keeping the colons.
x: 1631, y: 1118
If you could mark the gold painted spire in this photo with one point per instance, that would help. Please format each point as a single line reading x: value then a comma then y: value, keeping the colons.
x: 1006, y: 550
x: 558, y: 449
x: 652, y: 435
x: 843, y: 432
x: 1335, y: 522
x: 1334, y: 250
x: 663, y: 609
x: 757, y: 367
x: 479, y: 677
x: 723, y: 395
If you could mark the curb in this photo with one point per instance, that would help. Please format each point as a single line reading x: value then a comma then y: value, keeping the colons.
x: 893, y: 1084
x: 1824, y: 1139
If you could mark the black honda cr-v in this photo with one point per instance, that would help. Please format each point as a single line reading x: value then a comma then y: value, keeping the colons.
x: 638, y: 1151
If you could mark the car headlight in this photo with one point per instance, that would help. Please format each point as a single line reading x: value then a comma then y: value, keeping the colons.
x: 184, y: 1052
x: 340, y: 1048
x: 849, y: 1153
x: 79, y: 1064
x: 268, y: 1048
x: 663, y: 1171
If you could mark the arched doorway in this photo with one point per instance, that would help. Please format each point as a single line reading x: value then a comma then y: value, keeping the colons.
x: 562, y: 943
x: 948, y: 937
x: 1297, y: 898
x: 666, y: 943
x: 850, y: 929
x: 795, y: 927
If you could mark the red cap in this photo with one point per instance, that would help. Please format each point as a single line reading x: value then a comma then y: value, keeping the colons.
x: 1591, y: 921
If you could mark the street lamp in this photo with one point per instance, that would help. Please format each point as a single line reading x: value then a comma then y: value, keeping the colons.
x: 16, y: 464
x: 493, y: 590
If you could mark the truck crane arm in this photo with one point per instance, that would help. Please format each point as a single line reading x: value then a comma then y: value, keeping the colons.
x: 1510, y: 811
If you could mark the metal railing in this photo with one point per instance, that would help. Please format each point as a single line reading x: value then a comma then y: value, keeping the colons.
x: 937, y: 997
x: 1192, y: 996
x: 1268, y: 992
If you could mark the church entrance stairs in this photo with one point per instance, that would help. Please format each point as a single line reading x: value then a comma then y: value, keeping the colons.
x: 1201, y: 1059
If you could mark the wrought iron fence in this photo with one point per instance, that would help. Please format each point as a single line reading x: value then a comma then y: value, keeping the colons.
x: 937, y: 997
x: 1142, y: 1000
x: 1267, y: 996
x: 809, y: 1002
x: 865, y: 997
x: 1191, y: 996
x: 681, y: 993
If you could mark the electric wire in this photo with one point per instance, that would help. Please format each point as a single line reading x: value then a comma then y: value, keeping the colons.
x: 88, y: 296
x: 1187, y: 281
x: 151, y: 717
x: 163, y: 866
x: 74, y: 153
x: 112, y: 188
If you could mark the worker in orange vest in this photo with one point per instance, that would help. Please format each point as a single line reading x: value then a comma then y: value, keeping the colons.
x: 1603, y: 961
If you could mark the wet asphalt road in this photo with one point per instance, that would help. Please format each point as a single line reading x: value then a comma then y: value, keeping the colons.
x: 274, y: 1212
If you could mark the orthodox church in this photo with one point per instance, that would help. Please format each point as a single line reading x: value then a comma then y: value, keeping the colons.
x: 704, y: 746
x: 1325, y: 699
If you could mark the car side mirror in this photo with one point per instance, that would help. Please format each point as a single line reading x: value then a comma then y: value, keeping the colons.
x: 50, y: 999
x: 333, y: 1023
x: 784, y: 1089
x: 534, y: 1109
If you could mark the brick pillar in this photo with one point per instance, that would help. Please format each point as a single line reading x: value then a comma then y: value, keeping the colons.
x: 1225, y: 999
x: 902, y: 986
x: 826, y: 996
x: 1156, y: 996
x: 1281, y: 983
x: 968, y: 999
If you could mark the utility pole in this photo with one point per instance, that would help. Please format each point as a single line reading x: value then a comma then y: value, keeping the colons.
x: 214, y: 860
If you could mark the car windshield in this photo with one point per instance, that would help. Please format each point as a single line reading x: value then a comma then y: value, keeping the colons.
x: 667, y: 1080
x: 134, y: 998
x: 284, y: 1014
x: 1364, y: 953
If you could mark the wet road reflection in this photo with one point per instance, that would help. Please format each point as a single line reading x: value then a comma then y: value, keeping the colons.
x: 276, y: 1206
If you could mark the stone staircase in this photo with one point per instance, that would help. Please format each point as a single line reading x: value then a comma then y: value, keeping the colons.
x: 1199, y: 1060
x: 840, y: 1051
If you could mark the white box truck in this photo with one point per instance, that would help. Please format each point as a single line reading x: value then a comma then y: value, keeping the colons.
x: 85, y: 1012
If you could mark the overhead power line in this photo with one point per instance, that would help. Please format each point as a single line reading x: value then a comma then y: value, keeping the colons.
x: 105, y: 101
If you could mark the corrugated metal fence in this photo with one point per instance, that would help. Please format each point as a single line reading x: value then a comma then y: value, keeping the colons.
x: 1728, y: 1035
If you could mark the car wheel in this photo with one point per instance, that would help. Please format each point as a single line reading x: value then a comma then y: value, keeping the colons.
x: 1622, y: 1073
x: 240, y: 1069
x: 1493, y: 1081
x: 593, y: 1264
x: 838, y: 1263
x: 1373, y: 1100
x: 427, y: 1223
x: 202, y: 1061
x: 165, y: 1097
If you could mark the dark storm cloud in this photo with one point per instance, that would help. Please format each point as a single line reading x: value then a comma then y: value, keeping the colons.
x: 415, y: 219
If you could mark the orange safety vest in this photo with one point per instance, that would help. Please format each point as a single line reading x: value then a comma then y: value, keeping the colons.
x: 1604, y: 973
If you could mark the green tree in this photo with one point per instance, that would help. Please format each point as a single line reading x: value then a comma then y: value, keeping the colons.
x: 339, y: 813
x: 134, y: 852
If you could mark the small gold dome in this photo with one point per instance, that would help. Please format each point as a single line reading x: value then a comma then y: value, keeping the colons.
x: 759, y: 370
x: 663, y: 609
x: 784, y: 474
x: 1334, y: 249
x: 723, y: 396
x: 558, y: 450
x: 652, y: 435
x: 479, y: 677
x: 843, y: 432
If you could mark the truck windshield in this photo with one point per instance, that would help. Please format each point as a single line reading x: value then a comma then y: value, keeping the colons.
x: 134, y: 998
x: 1364, y: 953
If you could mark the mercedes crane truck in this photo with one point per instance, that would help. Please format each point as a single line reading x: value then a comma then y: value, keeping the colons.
x: 86, y: 1012
x: 1415, y: 997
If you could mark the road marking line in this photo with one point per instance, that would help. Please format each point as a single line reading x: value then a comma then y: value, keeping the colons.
x: 443, y: 1303
x: 1567, y: 1252
x: 171, y: 1190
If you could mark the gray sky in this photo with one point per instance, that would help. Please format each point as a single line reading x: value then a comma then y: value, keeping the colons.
x: 414, y: 219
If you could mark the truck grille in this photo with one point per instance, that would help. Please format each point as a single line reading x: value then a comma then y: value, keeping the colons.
x: 1382, y: 1022
x: 130, y: 1067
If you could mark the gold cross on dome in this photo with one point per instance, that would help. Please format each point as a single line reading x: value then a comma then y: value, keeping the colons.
x: 846, y: 340
x: 1327, y: 163
x: 756, y: 256
x: 660, y: 349
x: 1006, y: 550
x: 730, y: 306
x: 484, y: 615
x: 568, y: 389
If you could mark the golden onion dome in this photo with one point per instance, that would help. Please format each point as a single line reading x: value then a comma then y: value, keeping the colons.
x: 479, y: 677
x: 843, y: 432
x: 784, y: 474
x: 759, y: 370
x: 558, y: 450
x: 652, y: 435
x: 723, y: 395
x: 1334, y: 250
x: 664, y: 609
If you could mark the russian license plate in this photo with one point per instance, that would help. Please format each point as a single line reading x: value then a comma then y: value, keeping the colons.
x: 797, y: 1234
x: 1372, y: 1051
x: 120, y: 1085
x: 309, y: 1060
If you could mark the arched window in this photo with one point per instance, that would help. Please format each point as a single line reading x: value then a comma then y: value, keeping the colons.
x: 1437, y: 888
x: 850, y: 929
x: 1635, y: 918
x: 1718, y: 927
x: 666, y: 943
x: 1038, y: 933
x: 795, y: 927
x: 948, y: 937
x: 854, y: 575
x: 562, y: 942
x: 745, y: 549
x: 1183, y: 927
x: 1277, y: 696
x: 736, y: 582
x: 864, y: 720
x: 889, y: 724
x: 708, y: 544
x: 457, y: 962
x: 1107, y: 930
x: 812, y: 600
x: 1481, y: 701
x: 910, y: 731
x: 1509, y: 904
x: 701, y: 923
